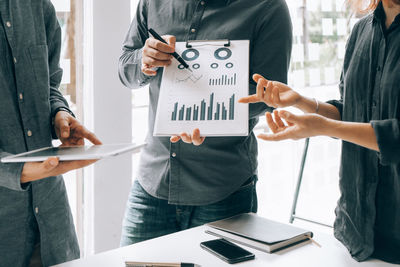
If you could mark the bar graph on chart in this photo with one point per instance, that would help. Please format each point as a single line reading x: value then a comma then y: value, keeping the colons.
x: 205, y: 110
x: 223, y: 80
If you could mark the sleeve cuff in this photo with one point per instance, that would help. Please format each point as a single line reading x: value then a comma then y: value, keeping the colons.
x: 11, y: 176
x: 388, y: 137
x: 338, y: 104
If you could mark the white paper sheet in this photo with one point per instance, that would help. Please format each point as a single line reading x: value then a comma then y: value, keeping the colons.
x: 207, y: 98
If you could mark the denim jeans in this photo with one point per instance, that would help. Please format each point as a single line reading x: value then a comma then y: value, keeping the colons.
x: 147, y: 217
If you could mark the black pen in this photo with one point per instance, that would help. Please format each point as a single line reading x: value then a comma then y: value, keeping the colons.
x: 175, y: 55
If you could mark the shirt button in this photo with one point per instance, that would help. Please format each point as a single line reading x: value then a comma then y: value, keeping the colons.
x: 29, y: 133
x: 173, y: 155
x: 15, y: 60
x: 8, y: 24
x: 21, y: 96
x: 193, y: 30
x: 36, y: 210
x: 202, y: 3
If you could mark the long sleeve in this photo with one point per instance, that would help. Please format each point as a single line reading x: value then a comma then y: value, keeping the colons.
x: 339, y: 103
x: 130, y: 61
x: 10, y: 173
x: 271, y: 49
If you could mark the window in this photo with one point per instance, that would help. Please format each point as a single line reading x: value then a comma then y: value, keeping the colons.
x: 69, y: 16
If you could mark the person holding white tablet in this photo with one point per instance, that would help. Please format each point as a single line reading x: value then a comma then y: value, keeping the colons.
x: 36, y: 226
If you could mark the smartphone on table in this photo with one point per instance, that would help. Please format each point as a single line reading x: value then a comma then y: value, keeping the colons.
x: 227, y: 251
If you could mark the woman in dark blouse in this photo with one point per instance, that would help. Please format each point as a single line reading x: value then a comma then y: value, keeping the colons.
x: 367, y: 119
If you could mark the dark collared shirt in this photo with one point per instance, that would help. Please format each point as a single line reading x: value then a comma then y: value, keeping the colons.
x: 368, y: 211
x: 30, y: 40
x: 183, y: 173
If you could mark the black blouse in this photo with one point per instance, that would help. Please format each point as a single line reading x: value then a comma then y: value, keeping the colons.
x: 368, y: 211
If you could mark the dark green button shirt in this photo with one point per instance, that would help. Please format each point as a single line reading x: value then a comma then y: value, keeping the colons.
x: 30, y: 40
x: 368, y: 211
x: 183, y: 173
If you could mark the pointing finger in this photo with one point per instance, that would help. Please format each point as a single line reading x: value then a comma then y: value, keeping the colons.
x: 249, y: 99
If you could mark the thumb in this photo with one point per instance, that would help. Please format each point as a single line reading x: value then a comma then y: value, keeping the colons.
x: 171, y: 40
x: 289, y: 117
x: 50, y: 164
x: 64, y: 128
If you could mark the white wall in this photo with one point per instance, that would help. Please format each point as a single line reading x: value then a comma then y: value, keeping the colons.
x: 107, y: 111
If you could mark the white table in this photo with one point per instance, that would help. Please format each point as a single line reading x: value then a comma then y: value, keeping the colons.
x: 185, y: 247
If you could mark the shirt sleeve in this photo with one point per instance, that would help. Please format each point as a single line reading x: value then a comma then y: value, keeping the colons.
x: 388, y: 137
x: 10, y: 174
x: 339, y: 103
x: 271, y: 49
x: 130, y: 62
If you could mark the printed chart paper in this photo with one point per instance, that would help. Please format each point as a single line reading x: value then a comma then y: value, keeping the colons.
x: 207, y: 97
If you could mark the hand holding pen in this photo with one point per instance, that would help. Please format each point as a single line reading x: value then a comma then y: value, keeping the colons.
x: 157, y: 54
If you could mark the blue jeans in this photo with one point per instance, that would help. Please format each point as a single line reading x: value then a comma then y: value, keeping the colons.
x: 147, y: 217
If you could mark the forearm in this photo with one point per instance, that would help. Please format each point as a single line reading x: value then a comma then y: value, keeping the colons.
x: 361, y: 134
x: 130, y: 72
x: 309, y: 105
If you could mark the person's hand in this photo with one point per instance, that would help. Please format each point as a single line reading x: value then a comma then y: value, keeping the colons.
x: 71, y: 132
x: 33, y: 171
x: 274, y: 94
x: 194, y: 139
x: 297, y: 127
x: 157, y: 54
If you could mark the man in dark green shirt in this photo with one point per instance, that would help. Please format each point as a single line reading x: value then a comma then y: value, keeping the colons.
x: 35, y: 217
x: 180, y: 185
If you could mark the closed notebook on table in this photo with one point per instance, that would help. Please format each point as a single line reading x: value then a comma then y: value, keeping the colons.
x: 256, y: 232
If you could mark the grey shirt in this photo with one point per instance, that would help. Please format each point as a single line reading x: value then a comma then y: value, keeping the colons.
x: 184, y: 173
x: 368, y: 211
x: 30, y: 40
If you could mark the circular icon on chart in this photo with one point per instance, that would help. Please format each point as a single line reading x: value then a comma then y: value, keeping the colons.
x: 181, y: 67
x: 190, y: 54
x: 229, y: 65
x: 214, y: 65
x: 196, y: 66
x: 222, y: 53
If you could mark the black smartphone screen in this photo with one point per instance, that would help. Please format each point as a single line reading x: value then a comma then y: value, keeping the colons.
x: 227, y: 251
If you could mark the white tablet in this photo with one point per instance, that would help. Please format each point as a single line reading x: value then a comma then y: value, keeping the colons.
x: 73, y: 153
